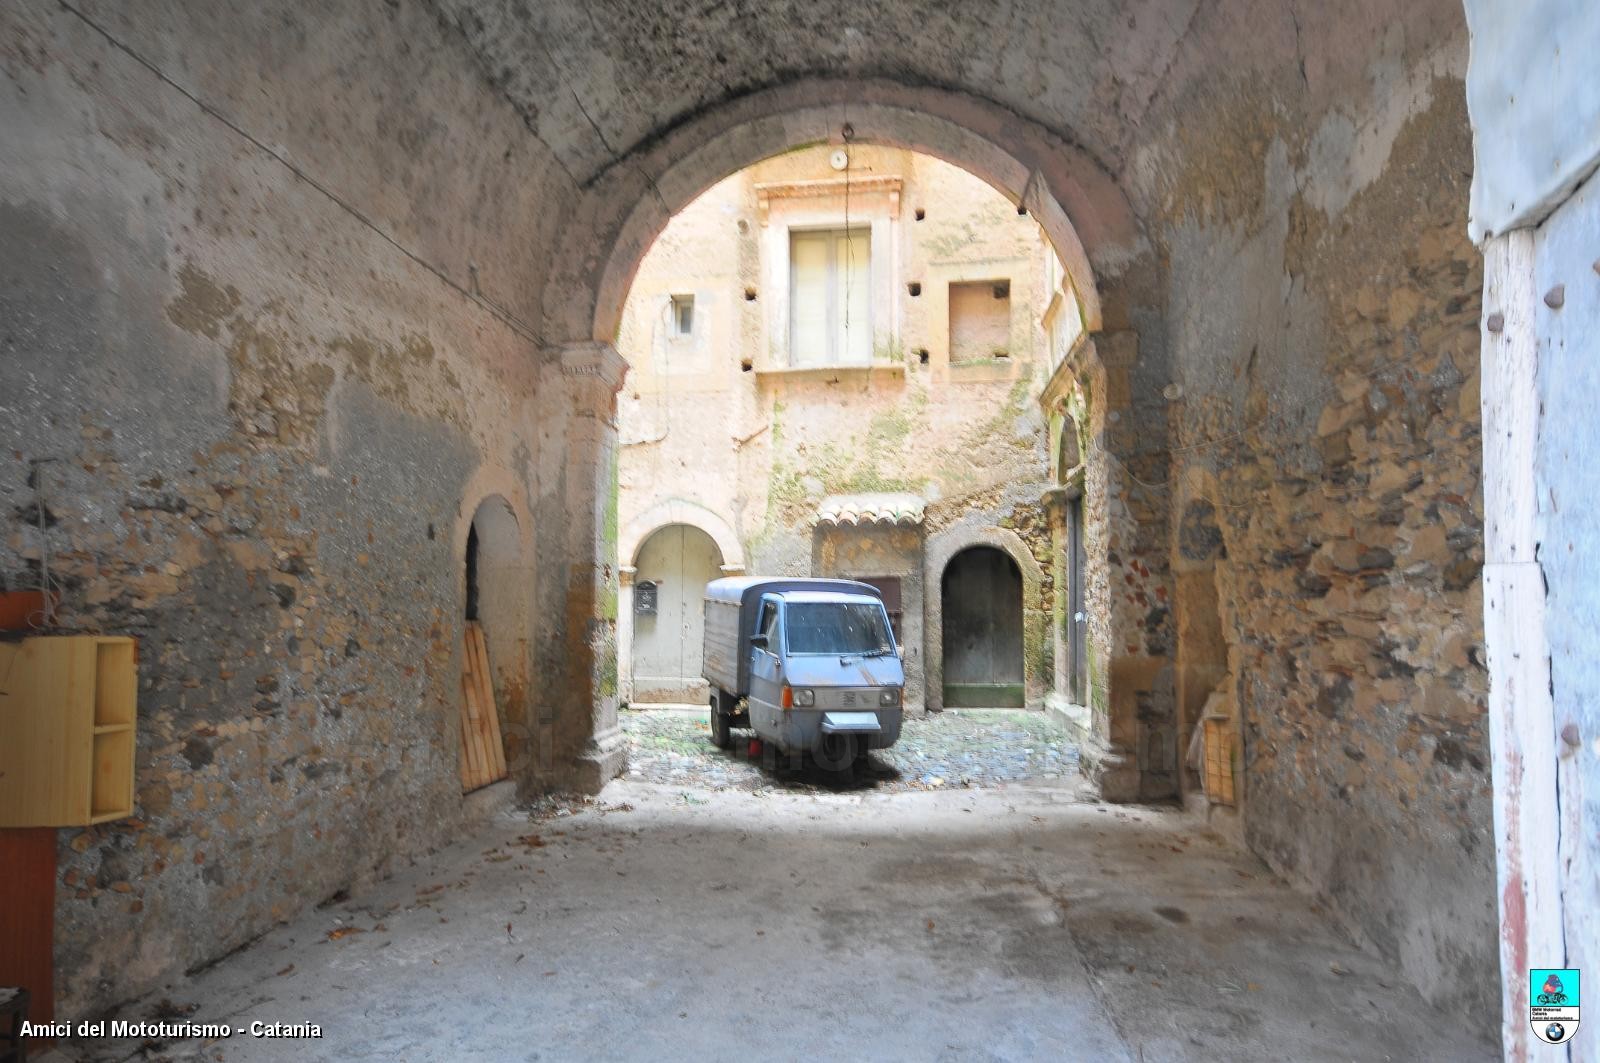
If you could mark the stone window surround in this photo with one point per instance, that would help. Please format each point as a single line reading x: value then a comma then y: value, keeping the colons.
x: 786, y: 206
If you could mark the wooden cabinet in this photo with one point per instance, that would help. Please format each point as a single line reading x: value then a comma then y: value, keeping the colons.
x: 67, y: 714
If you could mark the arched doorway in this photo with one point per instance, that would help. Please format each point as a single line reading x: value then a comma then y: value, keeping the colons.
x: 673, y: 567
x: 981, y: 595
x: 493, y: 618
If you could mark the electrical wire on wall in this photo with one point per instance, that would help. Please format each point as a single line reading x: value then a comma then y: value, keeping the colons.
x: 847, y: 132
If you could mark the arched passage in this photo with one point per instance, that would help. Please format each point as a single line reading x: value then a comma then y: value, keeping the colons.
x: 671, y: 571
x: 981, y: 596
x: 1085, y: 215
x: 1078, y: 204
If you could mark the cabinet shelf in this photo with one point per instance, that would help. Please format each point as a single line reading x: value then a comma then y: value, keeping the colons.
x: 68, y: 732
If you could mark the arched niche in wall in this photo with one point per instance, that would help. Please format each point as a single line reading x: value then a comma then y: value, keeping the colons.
x: 1209, y: 726
x: 940, y: 551
x: 495, y: 598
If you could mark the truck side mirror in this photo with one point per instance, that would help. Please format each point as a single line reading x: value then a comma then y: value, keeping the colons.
x: 758, y: 641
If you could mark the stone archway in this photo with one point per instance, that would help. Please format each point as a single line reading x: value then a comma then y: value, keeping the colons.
x: 682, y: 511
x: 942, y: 549
x: 981, y: 630
x: 631, y: 541
x: 660, y: 654
x: 1080, y: 206
x: 1082, y: 209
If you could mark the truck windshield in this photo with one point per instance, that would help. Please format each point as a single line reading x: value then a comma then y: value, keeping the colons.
x: 837, y: 627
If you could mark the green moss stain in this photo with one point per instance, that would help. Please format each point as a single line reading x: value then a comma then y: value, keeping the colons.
x: 892, y: 352
x: 889, y: 429
x: 608, y: 547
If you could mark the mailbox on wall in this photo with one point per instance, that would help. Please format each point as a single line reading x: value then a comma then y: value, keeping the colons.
x: 645, y: 597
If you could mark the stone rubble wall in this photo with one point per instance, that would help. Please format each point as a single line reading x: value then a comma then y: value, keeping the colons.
x: 1323, y: 301
x: 254, y: 430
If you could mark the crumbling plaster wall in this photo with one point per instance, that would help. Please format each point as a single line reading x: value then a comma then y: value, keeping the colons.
x: 253, y: 412
x: 1304, y: 172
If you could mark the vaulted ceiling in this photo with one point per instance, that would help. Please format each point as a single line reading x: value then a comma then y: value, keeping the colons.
x: 595, y: 79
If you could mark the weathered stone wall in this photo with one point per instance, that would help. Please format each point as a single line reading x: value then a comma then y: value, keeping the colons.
x: 249, y: 405
x: 714, y: 420
x: 1322, y: 302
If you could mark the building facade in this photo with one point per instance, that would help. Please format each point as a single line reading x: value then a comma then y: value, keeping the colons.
x: 835, y: 360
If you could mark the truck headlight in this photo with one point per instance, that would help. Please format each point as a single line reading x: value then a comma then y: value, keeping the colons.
x: 889, y: 696
x: 804, y: 698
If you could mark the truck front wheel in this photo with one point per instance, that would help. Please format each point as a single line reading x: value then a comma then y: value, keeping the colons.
x: 837, y: 753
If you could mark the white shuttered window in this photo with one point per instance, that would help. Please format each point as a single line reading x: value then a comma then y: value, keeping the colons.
x: 830, y: 305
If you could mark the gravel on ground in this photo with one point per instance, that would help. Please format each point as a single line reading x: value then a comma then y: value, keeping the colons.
x: 954, y: 748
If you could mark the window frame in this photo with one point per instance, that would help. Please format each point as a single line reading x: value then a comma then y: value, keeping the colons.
x: 837, y: 352
x: 776, y: 628
x: 675, y: 305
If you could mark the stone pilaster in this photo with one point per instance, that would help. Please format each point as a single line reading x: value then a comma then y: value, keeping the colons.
x: 591, y: 373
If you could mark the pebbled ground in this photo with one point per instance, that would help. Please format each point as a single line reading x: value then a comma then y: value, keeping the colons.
x: 959, y: 747
x: 681, y: 922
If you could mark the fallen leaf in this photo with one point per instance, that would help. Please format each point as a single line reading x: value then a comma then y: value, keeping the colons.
x: 343, y: 932
x: 930, y: 925
x: 1338, y: 970
x: 287, y: 970
x: 520, y: 957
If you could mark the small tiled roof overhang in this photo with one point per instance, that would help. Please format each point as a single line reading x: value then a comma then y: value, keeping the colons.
x: 881, y: 508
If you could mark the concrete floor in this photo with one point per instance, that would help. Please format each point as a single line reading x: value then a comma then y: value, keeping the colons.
x: 676, y: 923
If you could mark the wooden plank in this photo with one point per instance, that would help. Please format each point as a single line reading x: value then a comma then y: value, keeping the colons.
x: 47, y: 731
x: 1527, y: 818
x: 1521, y: 709
x: 1509, y: 400
x: 465, y: 759
x: 473, y: 736
x: 469, y: 730
x: 27, y: 915
x: 111, y: 788
x: 486, y: 701
x: 28, y: 883
x: 488, y: 718
x: 478, y: 709
x: 116, y: 681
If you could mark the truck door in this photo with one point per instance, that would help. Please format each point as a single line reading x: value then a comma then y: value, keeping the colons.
x: 766, y: 663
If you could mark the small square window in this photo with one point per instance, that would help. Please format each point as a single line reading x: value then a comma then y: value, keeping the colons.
x: 683, y: 315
